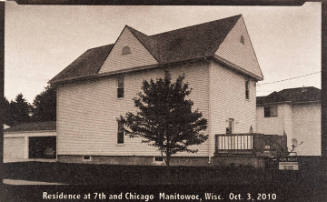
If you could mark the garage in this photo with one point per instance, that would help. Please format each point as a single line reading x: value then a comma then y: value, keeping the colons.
x: 42, y: 147
x: 34, y: 141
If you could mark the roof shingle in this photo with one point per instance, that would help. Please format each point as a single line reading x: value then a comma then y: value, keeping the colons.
x: 191, y: 42
x: 33, y: 126
x: 294, y: 95
x: 87, y: 64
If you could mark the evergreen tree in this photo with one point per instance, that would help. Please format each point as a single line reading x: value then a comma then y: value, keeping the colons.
x: 165, y: 118
x: 20, y: 110
x: 44, y: 105
x: 5, y: 111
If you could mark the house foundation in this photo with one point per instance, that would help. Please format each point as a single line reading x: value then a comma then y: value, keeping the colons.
x: 133, y: 160
x: 221, y: 161
x: 227, y: 161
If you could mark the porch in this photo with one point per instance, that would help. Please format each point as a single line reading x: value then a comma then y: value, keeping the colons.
x: 250, y: 144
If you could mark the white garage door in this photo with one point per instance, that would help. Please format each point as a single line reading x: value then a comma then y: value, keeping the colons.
x: 13, y: 148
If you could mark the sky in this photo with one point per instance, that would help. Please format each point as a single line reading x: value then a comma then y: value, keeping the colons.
x: 42, y: 40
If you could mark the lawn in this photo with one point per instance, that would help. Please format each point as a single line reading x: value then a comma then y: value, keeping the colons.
x: 88, y: 174
x: 306, y: 185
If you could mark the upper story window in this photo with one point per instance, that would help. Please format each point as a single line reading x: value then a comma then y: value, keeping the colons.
x: 120, y: 133
x: 120, y: 87
x: 247, y: 89
x: 126, y: 50
x: 270, y: 111
x: 242, y: 40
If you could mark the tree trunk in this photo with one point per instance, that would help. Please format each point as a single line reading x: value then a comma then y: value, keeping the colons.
x: 169, y: 177
x: 167, y: 159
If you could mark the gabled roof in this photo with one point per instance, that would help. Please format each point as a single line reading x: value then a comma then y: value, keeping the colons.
x: 183, y: 44
x: 194, y: 41
x: 33, y: 126
x: 293, y: 95
x: 87, y: 64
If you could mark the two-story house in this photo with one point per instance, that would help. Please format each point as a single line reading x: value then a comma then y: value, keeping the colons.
x: 219, y: 64
x: 295, y: 112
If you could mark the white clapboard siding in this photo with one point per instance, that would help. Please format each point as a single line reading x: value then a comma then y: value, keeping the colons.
x: 307, y: 128
x: 16, y: 146
x: 241, y: 54
x: 227, y: 100
x: 139, y: 55
x: 275, y: 125
x: 87, y: 112
x: 298, y: 121
x: 14, y: 149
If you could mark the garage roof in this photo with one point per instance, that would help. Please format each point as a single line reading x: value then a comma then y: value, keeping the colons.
x: 33, y: 126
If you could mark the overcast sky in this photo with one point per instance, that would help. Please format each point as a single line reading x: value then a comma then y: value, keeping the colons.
x: 42, y: 40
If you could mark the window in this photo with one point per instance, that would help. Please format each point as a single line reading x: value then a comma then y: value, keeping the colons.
x: 120, y: 87
x: 126, y: 50
x: 247, y: 93
x: 230, y: 127
x: 120, y: 133
x: 158, y: 158
x: 87, y: 158
x: 242, y: 40
x: 270, y: 111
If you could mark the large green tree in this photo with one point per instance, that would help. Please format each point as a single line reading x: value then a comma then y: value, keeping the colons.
x: 44, y: 105
x: 165, y: 118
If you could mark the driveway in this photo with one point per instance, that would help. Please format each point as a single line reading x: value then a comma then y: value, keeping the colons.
x: 28, y: 182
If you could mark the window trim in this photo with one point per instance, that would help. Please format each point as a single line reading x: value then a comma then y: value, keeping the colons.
x: 126, y: 50
x: 230, y: 128
x: 120, y: 131
x: 242, y: 40
x: 120, y: 87
x: 156, y: 159
x: 247, y: 89
x: 270, y: 114
x: 160, y: 163
x: 85, y: 159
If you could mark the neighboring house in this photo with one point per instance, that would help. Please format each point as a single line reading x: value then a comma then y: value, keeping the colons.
x: 220, y: 66
x: 295, y: 112
x: 30, y: 141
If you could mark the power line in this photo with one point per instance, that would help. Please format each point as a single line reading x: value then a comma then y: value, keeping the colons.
x: 290, y: 78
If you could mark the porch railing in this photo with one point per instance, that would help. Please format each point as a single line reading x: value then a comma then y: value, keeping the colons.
x: 250, y: 143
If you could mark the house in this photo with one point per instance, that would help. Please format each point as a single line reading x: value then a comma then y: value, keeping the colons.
x: 219, y: 64
x: 30, y: 141
x: 295, y: 112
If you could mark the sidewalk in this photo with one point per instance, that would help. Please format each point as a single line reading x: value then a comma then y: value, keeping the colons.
x: 27, y: 182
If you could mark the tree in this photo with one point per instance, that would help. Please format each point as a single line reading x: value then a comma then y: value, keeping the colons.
x: 5, y: 111
x: 19, y: 110
x: 44, y: 105
x: 165, y: 118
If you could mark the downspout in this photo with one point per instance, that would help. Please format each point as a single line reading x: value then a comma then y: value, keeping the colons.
x: 209, y: 112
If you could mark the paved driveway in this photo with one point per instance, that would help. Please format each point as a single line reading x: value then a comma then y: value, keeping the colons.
x: 28, y: 182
